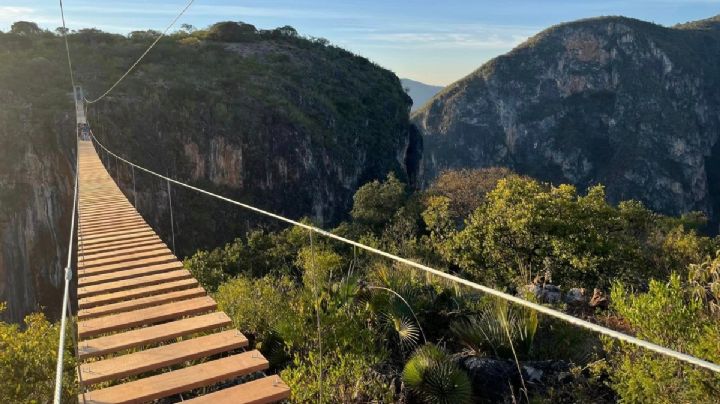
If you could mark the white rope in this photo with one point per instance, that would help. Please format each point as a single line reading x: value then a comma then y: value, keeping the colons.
x: 137, y: 62
x: 66, y: 297
x: 67, y: 47
x: 485, y: 289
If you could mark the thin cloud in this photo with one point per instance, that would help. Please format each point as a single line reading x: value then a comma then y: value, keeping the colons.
x: 12, y: 13
x: 466, y: 37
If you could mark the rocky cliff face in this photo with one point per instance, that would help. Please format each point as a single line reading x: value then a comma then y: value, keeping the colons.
x: 617, y: 101
x: 284, y: 123
x: 36, y: 181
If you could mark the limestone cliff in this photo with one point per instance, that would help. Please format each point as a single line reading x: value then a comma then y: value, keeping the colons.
x: 617, y: 101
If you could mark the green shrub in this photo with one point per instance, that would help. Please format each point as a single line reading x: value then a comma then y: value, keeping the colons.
x: 669, y: 315
x: 257, y: 305
x: 347, y: 378
x: 435, y: 379
x: 27, y: 362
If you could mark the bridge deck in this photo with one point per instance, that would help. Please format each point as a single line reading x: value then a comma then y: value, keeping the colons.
x: 147, y: 330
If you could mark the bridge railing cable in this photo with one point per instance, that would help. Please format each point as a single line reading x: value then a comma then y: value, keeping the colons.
x: 450, y: 277
x: 137, y: 62
x: 66, y: 294
x: 67, y: 46
x: 66, y: 309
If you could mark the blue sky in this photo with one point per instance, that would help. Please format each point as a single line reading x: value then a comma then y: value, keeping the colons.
x: 433, y: 41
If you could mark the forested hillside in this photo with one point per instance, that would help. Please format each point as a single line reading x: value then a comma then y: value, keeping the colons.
x: 288, y: 123
x: 372, y: 330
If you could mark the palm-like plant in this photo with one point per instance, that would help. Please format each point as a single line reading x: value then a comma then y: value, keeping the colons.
x: 434, y: 378
x: 488, y: 331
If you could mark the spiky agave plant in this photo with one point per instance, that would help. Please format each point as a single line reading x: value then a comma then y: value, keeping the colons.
x: 435, y: 378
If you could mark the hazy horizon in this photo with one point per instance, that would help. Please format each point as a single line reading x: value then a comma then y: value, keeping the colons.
x: 425, y: 41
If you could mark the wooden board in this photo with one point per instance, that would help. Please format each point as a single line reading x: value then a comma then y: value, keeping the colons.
x: 147, y: 316
x: 134, y: 304
x: 163, y: 265
x: 166, y: 355
x: 120, y: 246
x: 178, y: 381
x: 148, y: 335
x: 107, y: 298
x: 261, y: 391
x: 90, y: 265
x: 123, y: 252
x: 126, y: 284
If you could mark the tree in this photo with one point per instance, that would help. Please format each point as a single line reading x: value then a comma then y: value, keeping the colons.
x: 230, y: 31
x: 149, y: 35
x: 466, y: 189
x: 25, y: 28
x: 189, y: 28
x: 287, y: 31
x: 526, y: 228
x: 375, y: 203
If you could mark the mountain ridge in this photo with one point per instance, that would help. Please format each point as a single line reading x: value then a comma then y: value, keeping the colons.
x: 612, y: 100
x: 419, y: 92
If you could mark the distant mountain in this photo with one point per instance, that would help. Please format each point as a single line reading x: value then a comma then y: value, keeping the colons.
x: 419, y: 92
x: 618, y: 101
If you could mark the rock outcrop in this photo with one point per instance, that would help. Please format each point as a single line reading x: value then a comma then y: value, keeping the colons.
x: 626, y: 103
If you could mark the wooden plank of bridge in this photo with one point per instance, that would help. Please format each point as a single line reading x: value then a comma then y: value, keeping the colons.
x: 254, y: 392
x: 148, y: 335
x: 107, y: 298
x: 136, y: 301
x: 162, y: 356
x: 178, y: 381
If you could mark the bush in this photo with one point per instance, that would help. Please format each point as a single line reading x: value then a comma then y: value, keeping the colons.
x: 435, y: 379
x: 669, y: 315
x: 375, y: 203
x: 27, y: 362
x: 526, y: 227
x: 347, y: 378
x: 256, y: 305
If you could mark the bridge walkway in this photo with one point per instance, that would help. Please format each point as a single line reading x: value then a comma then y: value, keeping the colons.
x: 146, y: 329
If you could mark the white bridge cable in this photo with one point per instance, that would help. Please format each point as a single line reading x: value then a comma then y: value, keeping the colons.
x: 485, y: 289
x: 66, y: 293
x: 67, y: 47
x: 137, y: 62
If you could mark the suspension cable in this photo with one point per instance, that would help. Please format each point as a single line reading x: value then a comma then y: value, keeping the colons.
x: 482, y: 288
x: 137, y: 62
x: 66, y: 294
x: 67, y: 46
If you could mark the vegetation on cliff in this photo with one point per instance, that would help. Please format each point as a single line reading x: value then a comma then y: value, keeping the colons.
x: 389, y: 332
x: 289, y: 123
x: 615, y: 101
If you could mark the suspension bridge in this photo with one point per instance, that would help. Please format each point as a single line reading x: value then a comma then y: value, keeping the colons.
x: 147, y: 331
x: 140, y: 311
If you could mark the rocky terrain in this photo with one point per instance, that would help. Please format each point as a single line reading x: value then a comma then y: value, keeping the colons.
x: 288, y: 124
x: 622, y: 102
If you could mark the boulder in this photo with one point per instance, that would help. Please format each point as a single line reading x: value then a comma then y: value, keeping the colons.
x: 599, y: 300
x: 576, y: 297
